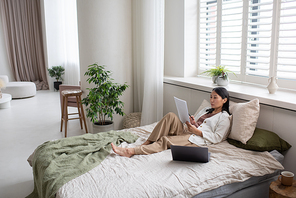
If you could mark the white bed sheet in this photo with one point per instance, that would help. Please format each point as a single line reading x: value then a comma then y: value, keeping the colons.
x: 157, y: 175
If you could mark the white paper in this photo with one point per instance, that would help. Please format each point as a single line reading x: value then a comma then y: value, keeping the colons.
x: 182, y: 110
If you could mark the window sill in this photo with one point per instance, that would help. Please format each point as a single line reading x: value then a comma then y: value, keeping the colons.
x: 281, y: 99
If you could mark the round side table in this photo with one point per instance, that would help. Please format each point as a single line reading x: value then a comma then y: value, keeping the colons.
x: 5, y: 101
x: 276, y: 190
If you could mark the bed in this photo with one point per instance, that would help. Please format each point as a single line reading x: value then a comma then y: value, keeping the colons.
x: 231, y: 172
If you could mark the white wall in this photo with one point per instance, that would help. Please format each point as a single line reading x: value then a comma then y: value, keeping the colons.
x: 4, y: 64
x: 105, y: 37
x: 174, y: 38
x: 180, y: 55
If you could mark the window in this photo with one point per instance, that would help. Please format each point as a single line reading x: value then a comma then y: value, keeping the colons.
x: 254, y: 38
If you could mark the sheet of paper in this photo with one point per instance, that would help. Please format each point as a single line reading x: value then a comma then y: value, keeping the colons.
x: 182, y: 110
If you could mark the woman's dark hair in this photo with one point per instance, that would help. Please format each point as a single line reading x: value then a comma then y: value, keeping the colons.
x: 221, y: 91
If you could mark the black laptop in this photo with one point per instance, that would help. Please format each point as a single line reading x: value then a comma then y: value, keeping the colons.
x: 190, y: 154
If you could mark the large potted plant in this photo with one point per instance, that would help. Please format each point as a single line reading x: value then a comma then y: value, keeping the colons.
x: 102, y: 101
x: 219, y: 75
x: 56, y: 72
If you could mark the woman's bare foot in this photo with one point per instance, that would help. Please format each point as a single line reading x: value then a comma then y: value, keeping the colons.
x: 126, y: 152
x: 147, y: 142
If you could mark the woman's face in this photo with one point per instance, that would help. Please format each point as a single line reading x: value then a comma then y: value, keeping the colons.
x: 217, y: 101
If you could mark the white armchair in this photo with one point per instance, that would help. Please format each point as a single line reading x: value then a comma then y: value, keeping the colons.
x: 18, y: 89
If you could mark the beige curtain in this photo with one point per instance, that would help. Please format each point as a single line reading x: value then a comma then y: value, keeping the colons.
x: 23, y: 36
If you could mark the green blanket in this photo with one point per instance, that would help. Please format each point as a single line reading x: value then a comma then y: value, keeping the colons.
x: 57, y: 162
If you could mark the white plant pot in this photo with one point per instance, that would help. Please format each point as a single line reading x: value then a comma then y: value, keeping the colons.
x: 97, y: 128
x: 222, y: 82
x: 214, y: 79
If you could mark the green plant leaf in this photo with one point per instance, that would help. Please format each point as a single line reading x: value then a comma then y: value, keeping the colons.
x: 56, y: 72
x: 102, y: 100
x: 218, y: 71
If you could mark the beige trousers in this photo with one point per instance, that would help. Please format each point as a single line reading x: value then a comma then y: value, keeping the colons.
x: 169, y: 131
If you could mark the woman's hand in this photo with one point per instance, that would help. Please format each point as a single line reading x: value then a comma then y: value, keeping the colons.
x: 193, y: 129
x: 192, y: 121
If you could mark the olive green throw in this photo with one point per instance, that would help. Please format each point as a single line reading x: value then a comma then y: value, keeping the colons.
x: 57, y: 162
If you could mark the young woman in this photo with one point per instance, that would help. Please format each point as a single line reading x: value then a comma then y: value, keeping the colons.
x: 210, y: 127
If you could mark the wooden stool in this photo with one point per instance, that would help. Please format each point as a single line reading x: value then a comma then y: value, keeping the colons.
x: 67, y: 93
x: 276, y: 190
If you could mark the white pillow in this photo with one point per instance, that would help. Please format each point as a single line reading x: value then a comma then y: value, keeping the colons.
x: 203, y: 105
x: 244, y: 120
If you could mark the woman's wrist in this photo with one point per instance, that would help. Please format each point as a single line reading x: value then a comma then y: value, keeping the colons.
x: 199, y: 133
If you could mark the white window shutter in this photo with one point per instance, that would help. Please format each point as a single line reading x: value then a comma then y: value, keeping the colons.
x: 231, y: 34
x: 286, y: 63
x: 259, y: 37
x: 254, y: 38
x: 208, y: 34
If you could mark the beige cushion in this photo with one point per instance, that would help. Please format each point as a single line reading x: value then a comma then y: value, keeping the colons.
x: 231, y: 105
x: 203, y: 105
x: 244, y: 120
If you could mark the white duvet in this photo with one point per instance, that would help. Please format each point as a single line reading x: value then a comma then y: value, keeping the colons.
x: 157, y: 175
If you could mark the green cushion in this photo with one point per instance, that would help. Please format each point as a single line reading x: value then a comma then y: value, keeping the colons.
x: 262, y: 140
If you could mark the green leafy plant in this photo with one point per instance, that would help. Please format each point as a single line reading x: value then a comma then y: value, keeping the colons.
x: 103, y: 99
x: 218, y: 71
x: 56, y: 72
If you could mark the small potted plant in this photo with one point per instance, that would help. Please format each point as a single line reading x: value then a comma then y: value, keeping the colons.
x: 102, y: 101
x: 219, y: 75
x: 56, y: 72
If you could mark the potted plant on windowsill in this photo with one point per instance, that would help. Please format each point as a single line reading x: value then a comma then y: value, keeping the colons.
x: 56, y: 72
x: 102, y: 101
x: 219, y: 75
